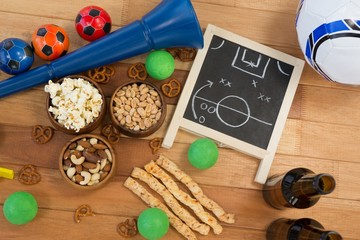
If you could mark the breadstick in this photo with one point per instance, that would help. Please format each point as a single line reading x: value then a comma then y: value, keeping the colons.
x: 152, y: 201
x: 183, y: 197
x: 195, y: 189
x: 174, y: 205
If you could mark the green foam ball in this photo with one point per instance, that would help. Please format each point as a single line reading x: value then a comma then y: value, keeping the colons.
x: 20, y: 208
x: 160, y: 64
x: 203, y: 153
x: 153, y: 223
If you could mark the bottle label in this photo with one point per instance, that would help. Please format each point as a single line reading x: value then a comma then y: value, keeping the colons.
x: 293, y: 200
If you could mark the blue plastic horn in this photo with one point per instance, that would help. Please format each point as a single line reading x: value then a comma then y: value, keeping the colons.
x: 173, y: 23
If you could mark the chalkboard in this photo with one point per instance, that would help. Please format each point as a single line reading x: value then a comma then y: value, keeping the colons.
x: 239, y: 93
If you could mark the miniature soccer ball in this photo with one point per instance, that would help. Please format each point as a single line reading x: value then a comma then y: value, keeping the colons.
x: 329, y: 36
x: 50, y: 42
x: 92, y: 23
x: 16, y: 56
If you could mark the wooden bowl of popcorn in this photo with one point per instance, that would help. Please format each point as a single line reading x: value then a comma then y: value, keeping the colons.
x: 137, y: 108
x: 75, y: 104
x: 87, y: 162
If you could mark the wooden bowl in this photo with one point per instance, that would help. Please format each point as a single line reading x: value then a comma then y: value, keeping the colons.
x: 89, y: 127
x: 78, y: 161
x: 140, y: 124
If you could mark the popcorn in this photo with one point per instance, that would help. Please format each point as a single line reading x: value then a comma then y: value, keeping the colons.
x: 75, y: 102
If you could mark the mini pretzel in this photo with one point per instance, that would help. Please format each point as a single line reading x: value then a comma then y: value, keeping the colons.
x: 28, y: 175
x: 111, y: 133
x: 186, y: 54
x: 101, y: 74
x: 127, y: 228
x: 41, y: 134
x: 172, y: 88
x: 173, y: 51
x: 83, y: 211
x: 155, y: 144
x: 138, y: 71
x: 183, y: 54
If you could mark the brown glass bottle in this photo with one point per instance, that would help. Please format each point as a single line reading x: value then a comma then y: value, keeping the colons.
x: 299, y: 229
x: 298, y: 188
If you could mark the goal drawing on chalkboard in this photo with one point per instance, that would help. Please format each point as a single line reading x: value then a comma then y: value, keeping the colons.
x: 238, y: 92
x: 251, y: 62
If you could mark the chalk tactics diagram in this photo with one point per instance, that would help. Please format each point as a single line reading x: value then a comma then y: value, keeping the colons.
x: 232, y: 103
x: 238, y: 93
x: 253, y: 64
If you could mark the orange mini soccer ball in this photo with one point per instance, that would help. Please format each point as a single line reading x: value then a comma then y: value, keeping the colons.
x: 50, y: 41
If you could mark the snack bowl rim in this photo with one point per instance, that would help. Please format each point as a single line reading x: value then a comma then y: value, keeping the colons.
x: 88, y: 128
x: 87, y: 187
x: 141, y: 133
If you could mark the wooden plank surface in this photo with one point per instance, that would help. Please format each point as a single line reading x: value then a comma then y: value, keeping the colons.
x: 321, y: 133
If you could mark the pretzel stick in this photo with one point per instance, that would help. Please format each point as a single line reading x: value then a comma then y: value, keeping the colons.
x: 152, y: 201
x: 174, y: 205
x: 195, y: 189
x: 183, y: 197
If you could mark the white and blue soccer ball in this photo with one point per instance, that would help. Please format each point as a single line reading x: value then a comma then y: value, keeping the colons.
x: 329, y: 36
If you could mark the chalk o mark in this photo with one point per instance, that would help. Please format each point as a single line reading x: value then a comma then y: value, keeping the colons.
x: 203, y: 106
x: 211, y: 110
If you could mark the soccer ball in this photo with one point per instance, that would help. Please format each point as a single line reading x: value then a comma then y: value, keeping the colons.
x: 16, y: 56
x: 92, y: 23
x: 329, y: 36
x: 50, y: 42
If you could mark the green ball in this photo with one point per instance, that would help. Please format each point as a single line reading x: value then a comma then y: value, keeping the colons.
x: 160, y: 64
x: 203, y: 153
x: 153, y: 223
x: 20, y: 208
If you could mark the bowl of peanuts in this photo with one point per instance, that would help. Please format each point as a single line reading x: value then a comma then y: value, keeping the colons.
x: 75, y: 104
x: 87, y: 161
x: 137, y: 108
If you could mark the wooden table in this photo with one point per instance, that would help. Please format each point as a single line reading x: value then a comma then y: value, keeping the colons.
x: 321, y: 133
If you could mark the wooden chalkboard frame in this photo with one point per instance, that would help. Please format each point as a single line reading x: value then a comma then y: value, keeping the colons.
x: 178, y: 121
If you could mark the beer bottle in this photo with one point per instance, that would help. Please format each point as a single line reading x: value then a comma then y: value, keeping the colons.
x: 300, y: 229
x: 298, y: 188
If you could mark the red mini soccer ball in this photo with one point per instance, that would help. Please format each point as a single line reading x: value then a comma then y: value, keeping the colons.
x: 92, y: 23
x: 50, y: 41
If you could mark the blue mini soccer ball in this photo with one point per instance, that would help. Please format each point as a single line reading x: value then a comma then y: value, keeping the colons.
x: 16, y: 56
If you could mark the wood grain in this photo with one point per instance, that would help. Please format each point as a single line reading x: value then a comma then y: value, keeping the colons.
x: 321, y: 133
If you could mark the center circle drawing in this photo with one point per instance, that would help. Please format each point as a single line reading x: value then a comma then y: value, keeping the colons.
x: 233, y: 111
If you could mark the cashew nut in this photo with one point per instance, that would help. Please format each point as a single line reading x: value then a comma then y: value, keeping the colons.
x: 95, y: 177
x: 87, y: 177
x: 93, y: 141
x: 77, y: 161
x: 95, y: 170
x: 108, y: 153
x: 103, y: 163
x: 70, y: 172
x: 80, y: 148
x: 93, y: 182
